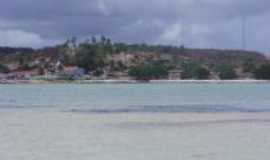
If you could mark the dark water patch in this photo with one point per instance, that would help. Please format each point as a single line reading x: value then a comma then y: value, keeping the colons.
x: 14, y: 107
x: 170, y: 109
x: 3, y: 106
x: 152, y: 125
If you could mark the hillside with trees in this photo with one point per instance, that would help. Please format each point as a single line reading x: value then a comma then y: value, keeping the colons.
x: 100, y: 58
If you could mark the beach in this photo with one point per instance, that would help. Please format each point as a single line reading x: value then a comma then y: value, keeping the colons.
x: 47, y: 134
x: 115, y: 81
x: 142, y: 121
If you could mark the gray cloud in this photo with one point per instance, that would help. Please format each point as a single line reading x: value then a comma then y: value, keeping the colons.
x: 195, y: 23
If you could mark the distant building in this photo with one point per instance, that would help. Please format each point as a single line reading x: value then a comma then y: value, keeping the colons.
x: 74, y: 73
x: 2, y: 76
x: 21, y: 75
x: 118, y: 75
x: 59, y: 67
x: 174, y: 74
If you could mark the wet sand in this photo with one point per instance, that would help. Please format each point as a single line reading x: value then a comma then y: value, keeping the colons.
x: 115, y: 81
x: 55, y: 134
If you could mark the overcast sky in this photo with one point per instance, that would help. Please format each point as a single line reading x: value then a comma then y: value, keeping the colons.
x: 194, y: 23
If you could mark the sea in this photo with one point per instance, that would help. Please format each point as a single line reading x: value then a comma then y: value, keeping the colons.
x: 155, y: 121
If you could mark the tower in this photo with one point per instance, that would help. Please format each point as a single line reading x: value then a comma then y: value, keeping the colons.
x: 243, y: 32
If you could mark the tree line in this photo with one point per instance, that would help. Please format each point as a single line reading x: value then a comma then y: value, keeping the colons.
x: 92, y: 55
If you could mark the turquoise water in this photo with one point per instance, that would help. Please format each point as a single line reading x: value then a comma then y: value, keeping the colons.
x: 97, y: 96
x: 135, y: 122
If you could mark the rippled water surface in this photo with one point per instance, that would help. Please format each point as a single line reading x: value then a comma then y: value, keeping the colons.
x: 254, y: 96
x: 135, y: 122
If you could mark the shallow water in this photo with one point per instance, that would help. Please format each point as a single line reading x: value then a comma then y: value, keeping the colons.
x: 135, y: 121
x: 96, y: 96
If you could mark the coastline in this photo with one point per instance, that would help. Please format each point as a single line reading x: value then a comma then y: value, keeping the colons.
x: 114, y: 81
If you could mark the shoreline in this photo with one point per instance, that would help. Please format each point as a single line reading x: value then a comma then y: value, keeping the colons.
x: 112, y: 81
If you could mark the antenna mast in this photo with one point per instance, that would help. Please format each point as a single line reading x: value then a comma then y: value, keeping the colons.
x: 243, y: 34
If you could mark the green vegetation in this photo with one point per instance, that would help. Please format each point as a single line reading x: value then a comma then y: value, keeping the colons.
x: 226, y: 72
x: 149, y: 71
x: 4, y: 68
x: 117, y: 66
x: 27, y: 67
x: 201, y: 73
x: 101, y: 57
x: 263, y: 72
x: 194, y: 71
x: 88, y: 55
x: 249, y: 65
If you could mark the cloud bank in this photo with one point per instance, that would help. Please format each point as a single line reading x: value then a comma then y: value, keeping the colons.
x: 194, y: 23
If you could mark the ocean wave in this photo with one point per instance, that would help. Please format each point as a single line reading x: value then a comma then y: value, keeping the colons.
x: 213, y: 108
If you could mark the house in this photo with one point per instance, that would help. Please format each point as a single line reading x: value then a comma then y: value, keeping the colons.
x: 74, y: 73
x: 20, y: 75
x: 174, y: 74
x: 243, y: 75
x: 2, y: 76
x: 59, y: 66
x: 118, y: 75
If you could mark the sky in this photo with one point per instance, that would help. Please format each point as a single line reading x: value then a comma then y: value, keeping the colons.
x: 194, y: 23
